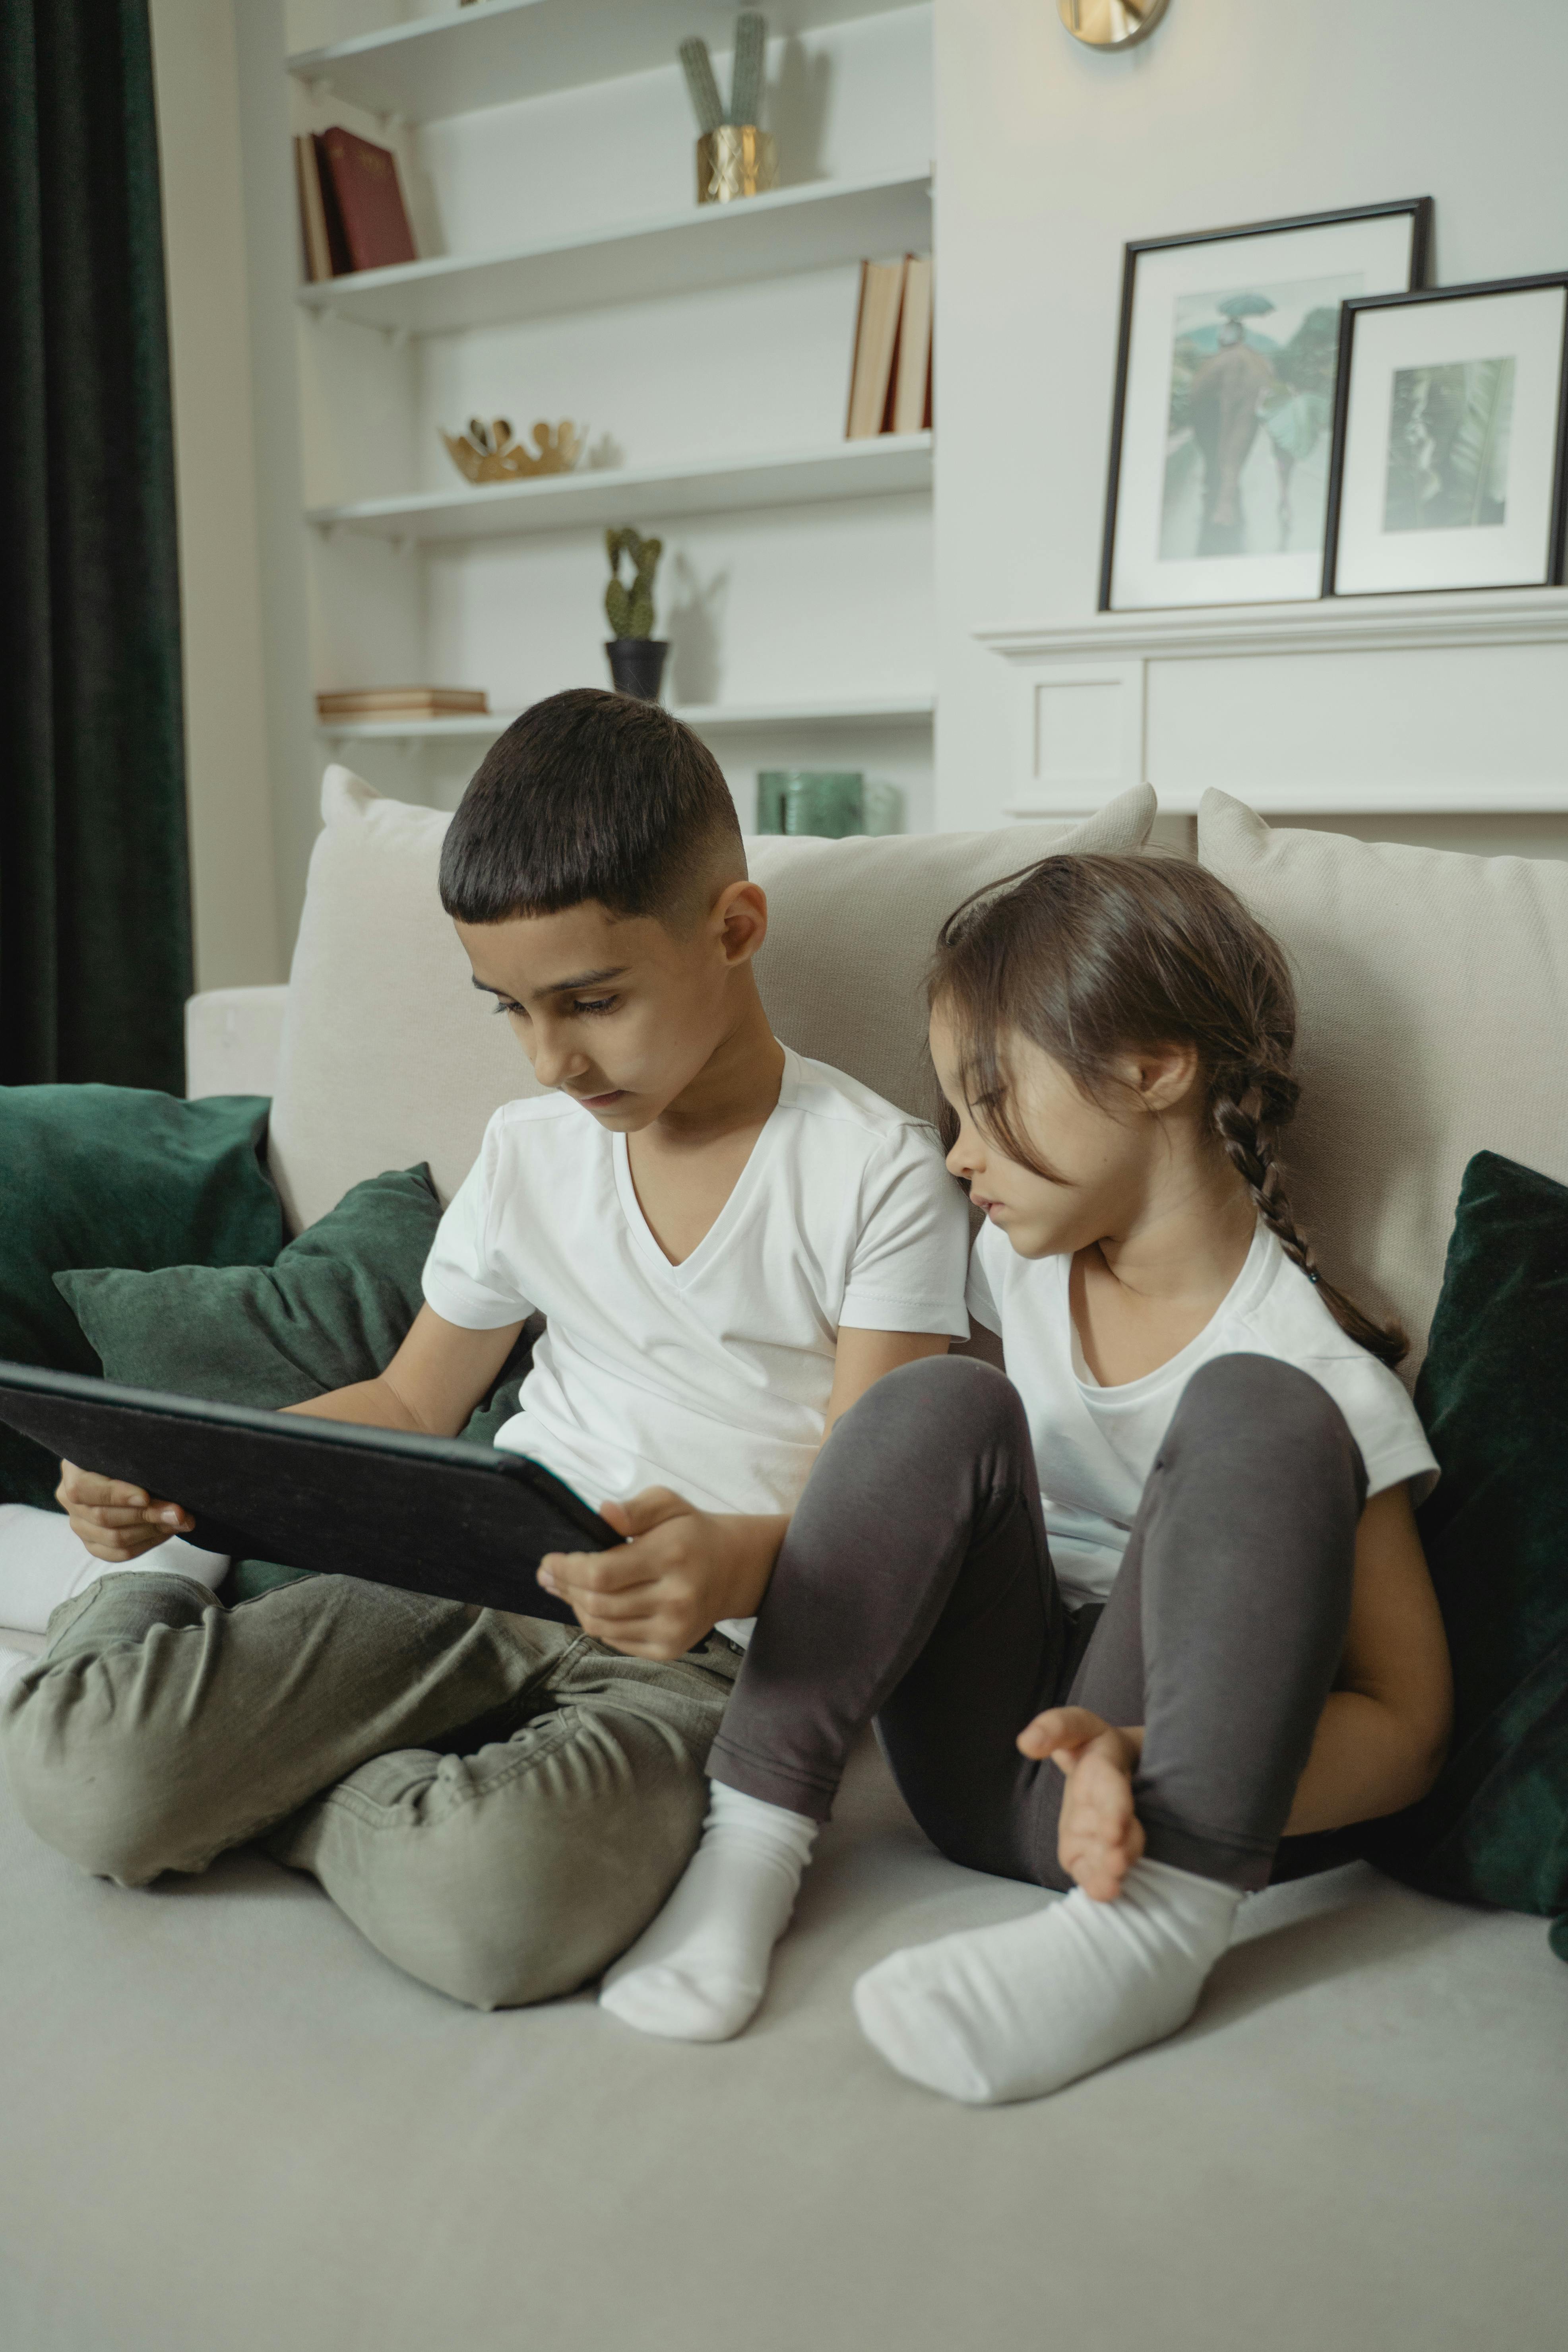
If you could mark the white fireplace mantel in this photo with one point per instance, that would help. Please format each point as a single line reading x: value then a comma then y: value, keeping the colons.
x: 1449, y: 704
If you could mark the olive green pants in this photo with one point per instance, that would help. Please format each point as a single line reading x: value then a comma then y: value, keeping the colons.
x: 498, y: 1804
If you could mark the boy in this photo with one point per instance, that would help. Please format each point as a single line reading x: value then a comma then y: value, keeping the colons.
x: 730, y: 1246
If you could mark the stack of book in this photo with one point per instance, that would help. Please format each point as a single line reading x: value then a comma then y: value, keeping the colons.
x: 890, y: 383
x: 364, y: 705
x: 352, y: 213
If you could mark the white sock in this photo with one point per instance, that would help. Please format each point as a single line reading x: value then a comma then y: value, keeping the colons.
x: 1014, y: 2012
x: 699, y: 1971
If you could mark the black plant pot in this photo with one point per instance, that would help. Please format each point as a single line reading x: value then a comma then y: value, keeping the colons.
x: 637, y: 666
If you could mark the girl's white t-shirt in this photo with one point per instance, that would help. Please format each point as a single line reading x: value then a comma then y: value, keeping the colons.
x: 711, y: 1376
x: 1096, y: 1447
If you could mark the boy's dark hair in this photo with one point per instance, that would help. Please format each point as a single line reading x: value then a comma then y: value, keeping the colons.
x: 588, y: 795
x: 1094, y: 956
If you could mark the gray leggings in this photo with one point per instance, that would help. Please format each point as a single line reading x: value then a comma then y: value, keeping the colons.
x: 915, y: 1587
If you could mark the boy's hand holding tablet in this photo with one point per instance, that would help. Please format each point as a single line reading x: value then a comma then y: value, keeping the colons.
x: 117, y: 1522
x: 682, y: 1570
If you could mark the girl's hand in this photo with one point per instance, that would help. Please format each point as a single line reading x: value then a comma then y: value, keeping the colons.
x: 666, y: 1587
x: 1099, y: 1835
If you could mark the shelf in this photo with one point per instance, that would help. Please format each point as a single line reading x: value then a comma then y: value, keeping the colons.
x: 846, y: 469
x: 895, y: 710
x: 817, y: 226
x: 1334, y: 797
x: 703, y: 718
x: 501, y: 50
x: 1446, y: 618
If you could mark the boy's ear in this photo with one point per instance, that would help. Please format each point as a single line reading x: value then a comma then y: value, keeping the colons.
x: 739, y: 917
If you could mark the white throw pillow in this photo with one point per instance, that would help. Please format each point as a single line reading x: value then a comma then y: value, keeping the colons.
x: 389, y: 1056
x: 1434, y: 1002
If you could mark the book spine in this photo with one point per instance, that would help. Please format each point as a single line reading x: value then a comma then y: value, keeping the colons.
x: 312, y: 220
x: 895, y: 353
x: 857, y: 350
x: 913, y: 396
x: 306, y: 270
x: 875, y: 345
x: 332, y: 219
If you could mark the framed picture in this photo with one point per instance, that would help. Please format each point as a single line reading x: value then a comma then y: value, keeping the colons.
x: 1449, y: 451
x: 1225, y: 401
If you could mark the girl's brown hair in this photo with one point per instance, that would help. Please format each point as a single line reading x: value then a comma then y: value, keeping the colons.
x: 1094, y: 957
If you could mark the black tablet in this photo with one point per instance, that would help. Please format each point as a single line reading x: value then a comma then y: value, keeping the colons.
x: 430, y: 1514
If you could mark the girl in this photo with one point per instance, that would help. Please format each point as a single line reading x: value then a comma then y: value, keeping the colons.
x: 1217, y: 1629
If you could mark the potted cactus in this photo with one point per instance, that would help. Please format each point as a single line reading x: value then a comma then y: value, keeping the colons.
x: 637, y: 655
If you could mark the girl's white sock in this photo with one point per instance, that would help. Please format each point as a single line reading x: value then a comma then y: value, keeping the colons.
x: 699, y: 1971
x: 1014, y: 2012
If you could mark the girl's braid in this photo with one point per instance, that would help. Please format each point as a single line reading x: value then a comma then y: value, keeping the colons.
x: 1249, y: 1103
x: 1249, y: 1106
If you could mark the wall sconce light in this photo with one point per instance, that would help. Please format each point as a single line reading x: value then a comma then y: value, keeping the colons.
x: 1110, y: 24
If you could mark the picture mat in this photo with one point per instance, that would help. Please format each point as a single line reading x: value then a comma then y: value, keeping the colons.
x: 1377, y: 250
x: 1529, y: 328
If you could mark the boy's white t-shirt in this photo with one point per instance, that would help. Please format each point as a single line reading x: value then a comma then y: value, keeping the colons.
x: 1096, y: 1447
x: 711, y: 1376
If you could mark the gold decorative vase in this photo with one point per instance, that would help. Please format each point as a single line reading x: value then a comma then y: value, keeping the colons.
x: 736, y: 160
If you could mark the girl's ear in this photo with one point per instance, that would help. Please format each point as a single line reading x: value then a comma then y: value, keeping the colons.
x: 1166, y: 1076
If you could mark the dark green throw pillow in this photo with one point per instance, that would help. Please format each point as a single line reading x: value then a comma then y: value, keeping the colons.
x: 120, y: 1174
x: 333, y: 1310
x: 1493, y: 1394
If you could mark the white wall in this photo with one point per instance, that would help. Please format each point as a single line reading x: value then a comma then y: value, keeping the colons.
x: 228, y: 770
x: 1050, y: 156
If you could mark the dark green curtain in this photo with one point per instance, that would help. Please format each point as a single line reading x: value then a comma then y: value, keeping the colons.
x: 95, y: 931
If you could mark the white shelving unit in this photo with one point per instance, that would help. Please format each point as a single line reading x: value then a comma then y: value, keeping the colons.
x: 590, y: 500
x: 814, y: 227
x: 465, y: 58
x: 548, y: 144
x: 703, y: 718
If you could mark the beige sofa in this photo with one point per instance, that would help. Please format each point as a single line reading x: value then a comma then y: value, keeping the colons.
x: 226, y: 2125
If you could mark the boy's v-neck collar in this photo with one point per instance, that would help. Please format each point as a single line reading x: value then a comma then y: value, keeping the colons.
x: 734, y: 1208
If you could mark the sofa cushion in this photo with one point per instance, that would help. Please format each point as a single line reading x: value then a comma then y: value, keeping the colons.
x: 389, y: 1056
x: 119, y: 1173
x: 229, y: 2126
x: 851, y: 926
x: 330, y: 1310
x: 1493, y: 1393
x: 1434, y: 1000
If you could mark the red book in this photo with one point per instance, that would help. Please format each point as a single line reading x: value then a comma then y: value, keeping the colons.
x: 361, y: 189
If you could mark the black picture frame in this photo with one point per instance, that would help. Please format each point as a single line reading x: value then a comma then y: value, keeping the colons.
x: 1422, y: 211
x: 1349, y: 313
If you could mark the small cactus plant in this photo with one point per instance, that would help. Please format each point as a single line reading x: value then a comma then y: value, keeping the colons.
x: 629, y: 611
